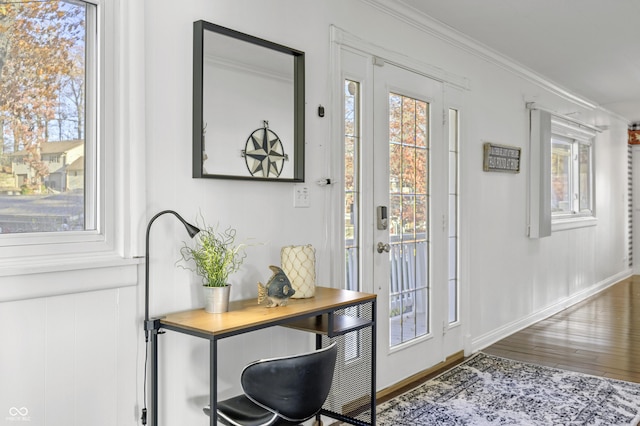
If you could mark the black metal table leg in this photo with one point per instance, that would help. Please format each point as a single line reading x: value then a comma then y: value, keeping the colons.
x: 373, y: 361
x: 154, y: 377
x: 213, y: 381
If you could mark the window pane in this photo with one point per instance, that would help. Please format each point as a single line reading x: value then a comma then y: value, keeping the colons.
x: 408, y: 121
x: 408, y: 217
x: 584, y: 179
x: 42, y: 116
x: 421, y: 124
x: 395, y: 118
x: 352, y: 203
x: 351, y: 183
x: 453, y: 216
x: 560, y: 176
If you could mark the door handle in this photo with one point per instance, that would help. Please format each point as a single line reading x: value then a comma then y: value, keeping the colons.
x: 383, y: 247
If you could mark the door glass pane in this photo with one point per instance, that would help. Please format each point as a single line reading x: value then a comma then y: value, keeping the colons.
x: 352, y: 204
x: 351, y: 183
x: 408, y: 216
x: 453, y: 215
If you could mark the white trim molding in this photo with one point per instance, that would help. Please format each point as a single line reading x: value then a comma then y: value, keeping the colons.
x: 344, y: 38
x: 429, y: 25
x: 500, y: 333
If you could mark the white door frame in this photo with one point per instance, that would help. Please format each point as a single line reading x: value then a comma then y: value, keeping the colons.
x: 454, y: 88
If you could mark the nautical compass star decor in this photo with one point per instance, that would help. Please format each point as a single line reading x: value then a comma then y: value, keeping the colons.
x: 264, y: 153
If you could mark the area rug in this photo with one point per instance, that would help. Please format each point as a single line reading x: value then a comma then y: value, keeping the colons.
x: 488, y: 390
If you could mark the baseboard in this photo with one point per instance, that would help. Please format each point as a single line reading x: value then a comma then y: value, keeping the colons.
x: 411, y: 381
x: 500, y: 333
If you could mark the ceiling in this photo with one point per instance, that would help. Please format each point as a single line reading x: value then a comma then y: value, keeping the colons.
x: 589, y: 47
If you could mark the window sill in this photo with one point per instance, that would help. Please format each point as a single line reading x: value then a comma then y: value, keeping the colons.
x: 573, y: 223
x: 65, y: 274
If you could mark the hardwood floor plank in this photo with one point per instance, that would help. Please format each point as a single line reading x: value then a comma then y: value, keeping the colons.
x: 599, y: 336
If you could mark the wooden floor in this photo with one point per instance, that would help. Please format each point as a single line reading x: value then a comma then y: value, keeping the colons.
x: 599, y: 336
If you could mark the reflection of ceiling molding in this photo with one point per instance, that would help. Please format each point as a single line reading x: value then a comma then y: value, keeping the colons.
x: 229, y: 64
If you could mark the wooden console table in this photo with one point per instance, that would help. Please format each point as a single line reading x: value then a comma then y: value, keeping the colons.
x: 330, y: 314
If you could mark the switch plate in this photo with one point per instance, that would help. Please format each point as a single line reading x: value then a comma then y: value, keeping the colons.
x: 300, y: 195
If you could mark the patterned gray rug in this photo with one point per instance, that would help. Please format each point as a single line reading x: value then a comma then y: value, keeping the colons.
x: 487, y: 390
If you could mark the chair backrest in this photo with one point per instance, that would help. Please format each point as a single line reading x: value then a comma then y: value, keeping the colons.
x: 294, y: 387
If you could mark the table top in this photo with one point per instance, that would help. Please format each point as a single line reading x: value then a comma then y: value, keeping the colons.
x: 247, y: 314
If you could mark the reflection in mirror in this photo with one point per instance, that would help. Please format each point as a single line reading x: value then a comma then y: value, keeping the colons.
x: 248, y: 107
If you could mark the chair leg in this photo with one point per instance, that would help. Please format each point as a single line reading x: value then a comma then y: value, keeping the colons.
x: 317, y: 423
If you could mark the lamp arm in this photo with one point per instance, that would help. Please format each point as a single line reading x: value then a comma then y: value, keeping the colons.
x: 191, y: 229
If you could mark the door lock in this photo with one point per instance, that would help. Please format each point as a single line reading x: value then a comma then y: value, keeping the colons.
x: 381, y: 213
x: 383, y: 247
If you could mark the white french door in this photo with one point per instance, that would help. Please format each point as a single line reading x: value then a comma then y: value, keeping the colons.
x: 410, y: 259
x: 400, y: 211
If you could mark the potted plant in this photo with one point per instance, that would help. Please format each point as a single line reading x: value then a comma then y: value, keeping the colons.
x: 216, y: 256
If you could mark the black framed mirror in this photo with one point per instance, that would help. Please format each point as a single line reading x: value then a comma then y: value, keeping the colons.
x: 248, y: 107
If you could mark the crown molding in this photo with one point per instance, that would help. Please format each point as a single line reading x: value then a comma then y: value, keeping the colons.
x: 418, y: 19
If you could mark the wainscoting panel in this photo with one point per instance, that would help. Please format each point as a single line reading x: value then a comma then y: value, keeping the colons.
x: 59, y: 359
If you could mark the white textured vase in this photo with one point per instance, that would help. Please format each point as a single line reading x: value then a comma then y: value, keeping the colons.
x: 299, y: 263
x: 216, y: 299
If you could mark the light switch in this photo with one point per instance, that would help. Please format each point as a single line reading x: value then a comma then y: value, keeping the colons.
x: 300, y: 195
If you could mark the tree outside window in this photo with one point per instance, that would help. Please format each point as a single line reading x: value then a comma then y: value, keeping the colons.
x: 43, y: 50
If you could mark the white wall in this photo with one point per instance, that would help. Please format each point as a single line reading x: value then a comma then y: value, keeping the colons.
x: 510, y: 278
x: 69, y: 360
x: 635, y: 152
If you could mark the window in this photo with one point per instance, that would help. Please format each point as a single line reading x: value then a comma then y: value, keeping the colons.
x: 98, y: 144
x: 454, y: 190
x: 571, y: 171
x: 562, y: 173
x: 352, y: 203
x: 352, y: 183
x: 47, y: 104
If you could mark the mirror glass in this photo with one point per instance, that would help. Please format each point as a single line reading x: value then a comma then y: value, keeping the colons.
x: 248, y: 107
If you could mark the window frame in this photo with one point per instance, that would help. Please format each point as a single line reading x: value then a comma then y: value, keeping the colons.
x: 575, y: 136
x: 356, y: 190
x: 42, y: 264
x: 575, y: 167
x: 95, y: 153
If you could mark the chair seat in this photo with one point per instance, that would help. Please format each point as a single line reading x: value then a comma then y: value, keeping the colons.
x: 281, y: 391
x: 245, y: 412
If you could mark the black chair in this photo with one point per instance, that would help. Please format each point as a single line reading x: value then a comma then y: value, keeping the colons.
x: 281, y: 391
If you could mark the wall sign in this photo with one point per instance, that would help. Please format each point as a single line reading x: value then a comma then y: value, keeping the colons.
x: 501, y: 158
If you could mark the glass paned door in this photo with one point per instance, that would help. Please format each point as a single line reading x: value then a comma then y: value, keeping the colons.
x: 399, y: 213
x: 410, y: 175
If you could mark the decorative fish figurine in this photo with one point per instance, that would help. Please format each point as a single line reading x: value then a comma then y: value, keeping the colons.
x: 278, y: 289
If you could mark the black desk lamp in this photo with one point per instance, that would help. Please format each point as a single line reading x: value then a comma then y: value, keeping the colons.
x: 152, y: 325
x: 192, y: 230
